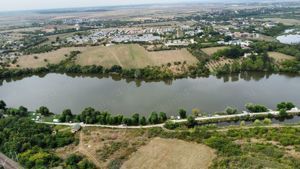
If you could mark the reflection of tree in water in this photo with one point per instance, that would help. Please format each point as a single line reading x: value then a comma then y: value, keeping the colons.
x: 13, y: 79
x: 247, y: 76
x: 235, y: 77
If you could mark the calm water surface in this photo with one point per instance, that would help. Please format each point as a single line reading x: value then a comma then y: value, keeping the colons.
x: 289, y: 39
x: 60, y: 91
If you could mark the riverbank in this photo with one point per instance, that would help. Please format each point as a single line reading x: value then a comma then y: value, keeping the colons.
x: 205, y: 120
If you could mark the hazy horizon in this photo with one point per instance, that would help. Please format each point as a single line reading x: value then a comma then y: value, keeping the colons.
x: 19, y: 5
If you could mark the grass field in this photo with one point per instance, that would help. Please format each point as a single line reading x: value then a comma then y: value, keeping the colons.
x: 212, y: 50
x: 171, y: 153
x: 54, y: 57
x: 127, y: 56
x: 132, y: 56
x: 279, y: 57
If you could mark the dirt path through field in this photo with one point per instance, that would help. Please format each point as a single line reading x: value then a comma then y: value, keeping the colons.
x: 82, y: 149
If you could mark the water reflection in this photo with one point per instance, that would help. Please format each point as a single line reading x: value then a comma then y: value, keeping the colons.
x: 247, y: 76
x: 117, y: 95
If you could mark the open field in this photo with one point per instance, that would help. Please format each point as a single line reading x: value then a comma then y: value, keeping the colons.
x: 105, y: 146
x: 54, y: 57
x: 263, y: 38
x: 132, y: 56
x: 171, y: 153
x: 279, y: 57
x: 212, y: 50
x: 127, y: 56
x: 284, y: 21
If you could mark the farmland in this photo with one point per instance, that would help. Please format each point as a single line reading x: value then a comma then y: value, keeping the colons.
x: 279, y: 57
x: 132, y: 56
x: 212, y: 50
x: 126, y: 56
x: 42, y: 59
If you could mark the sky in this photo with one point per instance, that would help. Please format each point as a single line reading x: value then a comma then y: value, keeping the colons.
x: 9, y: 5
x: 13, y: 5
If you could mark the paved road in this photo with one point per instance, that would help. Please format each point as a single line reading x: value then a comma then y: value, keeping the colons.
x: 295, y: 111
x: 7, y: 163
x: 104, y: 126
x: 238, y: 115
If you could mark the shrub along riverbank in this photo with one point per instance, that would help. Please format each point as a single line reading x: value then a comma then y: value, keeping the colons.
x: 92, y: 116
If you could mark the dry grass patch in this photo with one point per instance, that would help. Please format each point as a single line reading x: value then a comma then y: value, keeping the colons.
x: 132, y: 56
x: 106, y: 147
x: 212, y: 50
x: 170, y: 56
x: 42, y: 59
x: 280, y: 57
x: 127, y: 56
x: 171, y: 154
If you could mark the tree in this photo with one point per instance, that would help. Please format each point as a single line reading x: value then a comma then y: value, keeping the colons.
x: 196, y: 112
x: 135, y: 119
x: 85, y: 164
x: 170, y: 125
x: 66, y: 116
x: 73, y: 159
x: 143, y: 121
x: 44, y: 111
x: 153, y: 119
x: 283, y: 113
x: 227, y: 38
x: 267, y: 121
x: 256, y: 108
x: 2, y: 104
x: 127, y: 121
x: 285, y: 105
x: 42, y: 159
x: 257, y: 122
x: 191, y: 122
x: 23, y: 111
x: 182, y: 114
x: 78, y: 162
x: 162, y: 117
x: 230, y: 110
x: 116, y: 69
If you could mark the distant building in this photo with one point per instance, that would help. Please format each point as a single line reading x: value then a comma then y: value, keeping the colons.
x: 55, y: 121
x: 77, y: 27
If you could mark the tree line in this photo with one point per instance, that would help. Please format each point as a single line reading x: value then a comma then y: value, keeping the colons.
x: 91, y: 116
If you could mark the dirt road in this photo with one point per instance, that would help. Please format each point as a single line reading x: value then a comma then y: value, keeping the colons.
x: 7, y: 163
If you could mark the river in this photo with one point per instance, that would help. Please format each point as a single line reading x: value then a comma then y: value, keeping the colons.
x: 120, y: 96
